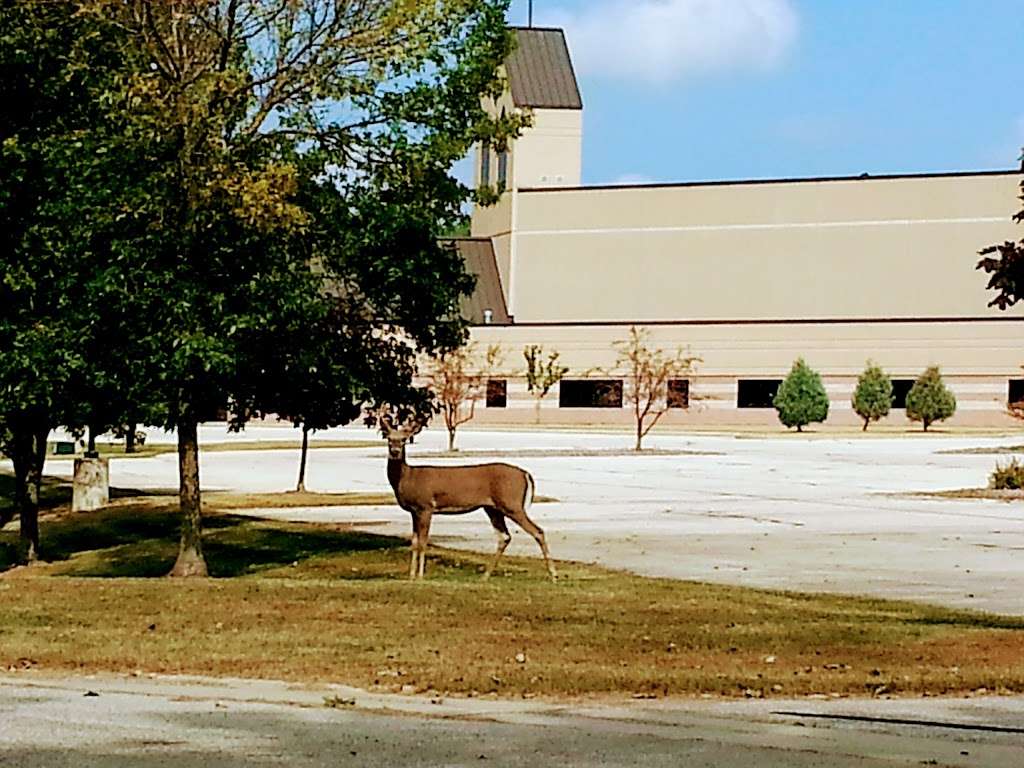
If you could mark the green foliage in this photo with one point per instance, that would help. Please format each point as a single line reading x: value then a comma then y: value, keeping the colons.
x: 54, y: 174
x: 211, y: 205
x: 929, y: 400
x: 872, y: 398
x: 1006, y: 270
x: 801, y: 398
x: 541, y: 374
x: 1009, y: 477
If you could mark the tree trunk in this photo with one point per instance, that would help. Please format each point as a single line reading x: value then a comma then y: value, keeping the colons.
x: 190, y: 552
x: 925, y: 422
x: 799, y: 428
x: 300, y: 487
x: 90, y: 451
x: 451, y: 440
x: 639, y: 437
x: 865, y: 427
x: 129, y: 439
x: 29, y: 455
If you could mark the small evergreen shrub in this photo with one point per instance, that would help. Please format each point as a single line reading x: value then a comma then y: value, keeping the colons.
x: 873, y: 396
x: 929, y: 400
x: 1008, y: 478
x: 801, y: 398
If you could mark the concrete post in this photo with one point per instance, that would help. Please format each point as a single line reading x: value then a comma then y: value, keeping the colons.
x: 91, y: 488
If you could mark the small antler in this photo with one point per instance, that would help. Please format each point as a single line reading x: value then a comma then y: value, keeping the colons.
x: 386, y: 424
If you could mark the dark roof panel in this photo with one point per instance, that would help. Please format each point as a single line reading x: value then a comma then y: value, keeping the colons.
x: 478, y: 254
x: 540, y: 71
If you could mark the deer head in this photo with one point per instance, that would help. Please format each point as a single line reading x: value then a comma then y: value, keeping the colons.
x: 399, y: 434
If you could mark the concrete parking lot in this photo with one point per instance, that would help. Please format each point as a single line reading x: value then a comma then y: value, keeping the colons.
x: 815, y: 513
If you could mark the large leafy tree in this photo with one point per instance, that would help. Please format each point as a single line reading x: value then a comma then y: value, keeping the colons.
x: 296, y: 151
x: 51, y: 161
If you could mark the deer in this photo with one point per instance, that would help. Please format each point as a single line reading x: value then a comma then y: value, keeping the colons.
x: 501, y: 490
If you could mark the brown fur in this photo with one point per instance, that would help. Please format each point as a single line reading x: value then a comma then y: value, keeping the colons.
x: 501, y: 490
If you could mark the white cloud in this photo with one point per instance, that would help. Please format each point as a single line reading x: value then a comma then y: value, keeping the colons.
x: 662, y: 41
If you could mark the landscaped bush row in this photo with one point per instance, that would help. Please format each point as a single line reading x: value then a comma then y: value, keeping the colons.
x: 802, y: 400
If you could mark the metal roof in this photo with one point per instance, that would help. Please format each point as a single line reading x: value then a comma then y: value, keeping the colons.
x: 478, y: 254
x: 540, y: 71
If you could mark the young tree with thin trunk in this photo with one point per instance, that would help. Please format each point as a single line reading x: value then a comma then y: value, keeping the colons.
x: 801, y: 399
x: 929, y: 400
x: 458, y: 379
x: 541, y: 374
x: 648, y: 371
x: 872, y: 398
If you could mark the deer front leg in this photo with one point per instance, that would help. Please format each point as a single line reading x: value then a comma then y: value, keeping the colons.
x: 414, y: 549
x: 424, y: 539
x: 414, y: 546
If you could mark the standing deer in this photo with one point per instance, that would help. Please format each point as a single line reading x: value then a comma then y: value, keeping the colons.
x: 500, y: 489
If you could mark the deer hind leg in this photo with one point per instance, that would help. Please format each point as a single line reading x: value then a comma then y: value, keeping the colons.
x: 519, y: 518
x: 504, y: 537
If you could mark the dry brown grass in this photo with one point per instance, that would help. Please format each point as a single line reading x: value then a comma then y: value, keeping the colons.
x: 998, y: 450
x: 325, y: 603
x: 971, y: 493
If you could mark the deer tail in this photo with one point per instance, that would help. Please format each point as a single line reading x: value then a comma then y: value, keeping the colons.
x: 529, y: 492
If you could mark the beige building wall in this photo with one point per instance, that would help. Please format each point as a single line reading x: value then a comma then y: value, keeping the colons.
x: 978, y: 359
x: 550, y: 152
x: 857, y: 248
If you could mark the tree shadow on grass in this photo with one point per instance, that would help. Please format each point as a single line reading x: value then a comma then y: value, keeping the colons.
x: 54, y: 492
x: 141, y: 540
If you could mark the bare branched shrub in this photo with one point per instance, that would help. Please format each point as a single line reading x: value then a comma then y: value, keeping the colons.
x: 458, y: 380
x: 647, y: 372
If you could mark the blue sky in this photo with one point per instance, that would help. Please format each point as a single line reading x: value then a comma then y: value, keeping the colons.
x: 679, y: 90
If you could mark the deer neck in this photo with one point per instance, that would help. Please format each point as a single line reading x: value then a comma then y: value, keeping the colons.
x: 396, y: 468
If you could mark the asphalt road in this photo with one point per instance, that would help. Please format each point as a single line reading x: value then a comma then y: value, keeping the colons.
x: 189, y: 722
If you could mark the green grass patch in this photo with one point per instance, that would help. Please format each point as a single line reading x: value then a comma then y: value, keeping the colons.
x: 55, y: 496
x: 329, y: 603
x: 116, y: 450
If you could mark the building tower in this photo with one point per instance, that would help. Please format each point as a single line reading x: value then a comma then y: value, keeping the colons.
x: 541, y: 81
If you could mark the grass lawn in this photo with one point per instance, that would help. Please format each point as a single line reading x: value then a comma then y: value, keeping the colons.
x: 327, y: 603
x: 55, y: 494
